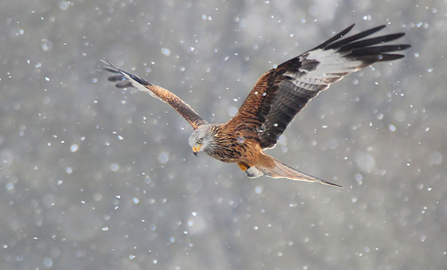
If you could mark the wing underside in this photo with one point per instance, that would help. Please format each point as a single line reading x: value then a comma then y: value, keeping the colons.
x: 282, y: 92
x: 125, y: 79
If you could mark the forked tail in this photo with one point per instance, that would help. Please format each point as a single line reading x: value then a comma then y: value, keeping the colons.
x: 282, y: 170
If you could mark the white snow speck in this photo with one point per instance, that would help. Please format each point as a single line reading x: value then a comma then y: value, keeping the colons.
x: 74, y: 148
x: 47, y: 45
x: 163, y: 157
x: 63, y: 5
x: 114, y: 167
x: 10, y: 186
x: 359, y: 178
x: 135, y: 200
x: 423, y: 238
x: 165, y: 51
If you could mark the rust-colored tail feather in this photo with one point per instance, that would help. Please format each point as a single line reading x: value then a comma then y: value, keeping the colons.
x: 282, y: 170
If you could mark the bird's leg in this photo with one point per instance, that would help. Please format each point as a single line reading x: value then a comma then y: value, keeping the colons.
x: 243, y: 166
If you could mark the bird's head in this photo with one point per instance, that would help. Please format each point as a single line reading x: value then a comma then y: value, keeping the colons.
x: 201, y: 139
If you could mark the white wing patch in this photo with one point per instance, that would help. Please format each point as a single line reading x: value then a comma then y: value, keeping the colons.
x: 331, y: 68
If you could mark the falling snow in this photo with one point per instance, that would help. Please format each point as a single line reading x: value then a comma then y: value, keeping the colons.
x: 96, y: 177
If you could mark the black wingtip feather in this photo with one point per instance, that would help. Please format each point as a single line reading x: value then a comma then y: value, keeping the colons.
x: 364, y: 49
x: 367, y: 42
x: 335, y: 37
x: 112, y: 68
x: 355, y: 37
x: 368, y: 50
x: 380, y: 49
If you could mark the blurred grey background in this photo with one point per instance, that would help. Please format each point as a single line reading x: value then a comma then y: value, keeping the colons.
x: 94, y: 177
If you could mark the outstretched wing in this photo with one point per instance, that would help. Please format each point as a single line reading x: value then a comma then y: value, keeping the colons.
x: 282, y: 92
x: 126, y: 79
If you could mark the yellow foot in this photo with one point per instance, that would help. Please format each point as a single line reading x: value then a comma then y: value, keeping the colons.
x: 243, y: 166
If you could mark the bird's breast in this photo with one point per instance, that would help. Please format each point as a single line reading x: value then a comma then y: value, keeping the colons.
x: 236, y: 149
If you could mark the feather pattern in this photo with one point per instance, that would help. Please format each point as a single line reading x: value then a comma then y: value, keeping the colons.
x: 284, y: 91
x: 276, y: 98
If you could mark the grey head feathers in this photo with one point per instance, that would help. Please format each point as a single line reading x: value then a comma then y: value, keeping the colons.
x: 202, y: 137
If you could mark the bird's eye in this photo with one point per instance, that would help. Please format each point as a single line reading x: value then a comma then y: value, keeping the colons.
x: 200, y: 141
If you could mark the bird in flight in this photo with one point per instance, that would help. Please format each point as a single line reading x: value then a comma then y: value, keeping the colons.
x: 276, y: 98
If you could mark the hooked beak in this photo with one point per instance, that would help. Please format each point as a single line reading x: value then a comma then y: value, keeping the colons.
x: 196, y: 150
